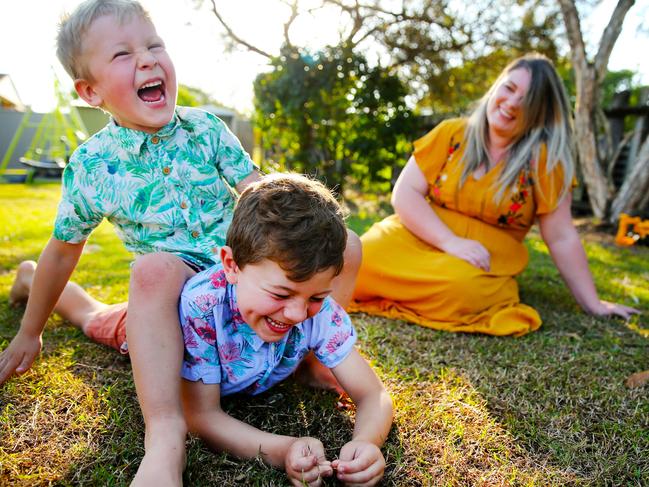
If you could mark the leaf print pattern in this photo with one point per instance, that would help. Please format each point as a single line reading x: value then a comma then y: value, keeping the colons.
x: 141, y: 187
x: 205, y: 302
x: 337, y: 341
x: 229, y: 352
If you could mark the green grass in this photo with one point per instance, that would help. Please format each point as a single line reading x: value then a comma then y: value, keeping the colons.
x: 549, y: 408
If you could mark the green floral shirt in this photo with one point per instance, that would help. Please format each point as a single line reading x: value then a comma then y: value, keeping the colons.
x: 165, y: 192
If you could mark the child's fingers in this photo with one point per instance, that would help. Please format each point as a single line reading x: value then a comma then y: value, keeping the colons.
x: 357, y: 464
x: 304, y: 463
x: 8, y: 365
x: 325, y: 468
x: 365, y: 476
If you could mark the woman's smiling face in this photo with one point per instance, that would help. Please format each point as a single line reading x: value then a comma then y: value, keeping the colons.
x: 505, y: 105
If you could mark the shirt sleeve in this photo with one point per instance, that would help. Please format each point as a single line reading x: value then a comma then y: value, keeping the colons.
x: 232, y: 161
x: 333, y: 335
x: 432, y: 150
x: 548, y: 186
x: 76, y: 217
x: 196, y: 309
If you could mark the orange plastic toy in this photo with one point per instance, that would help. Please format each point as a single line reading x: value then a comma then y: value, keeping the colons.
x: 631, y: 229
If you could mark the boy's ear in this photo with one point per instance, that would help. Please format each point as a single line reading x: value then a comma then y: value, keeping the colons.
x: 87, y: 93
x: 229, y: 265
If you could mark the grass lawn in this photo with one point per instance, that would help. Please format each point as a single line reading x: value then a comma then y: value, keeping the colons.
x: 549, y: 408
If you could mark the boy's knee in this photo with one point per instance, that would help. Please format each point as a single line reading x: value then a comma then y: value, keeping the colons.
x: 151, y: 271
x: 353, y: 251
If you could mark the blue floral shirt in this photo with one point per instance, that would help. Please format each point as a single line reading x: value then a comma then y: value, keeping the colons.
x: 220, y: 348
x: 170, y: 191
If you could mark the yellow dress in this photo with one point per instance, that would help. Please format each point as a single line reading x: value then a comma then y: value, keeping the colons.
x: 404, y: 278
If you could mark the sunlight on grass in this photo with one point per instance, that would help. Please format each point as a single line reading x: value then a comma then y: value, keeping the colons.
x: 449, y: 437
x: 549, y: 408
x: 51, y: 417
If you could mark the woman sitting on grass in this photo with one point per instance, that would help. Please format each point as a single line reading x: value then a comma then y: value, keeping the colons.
x: 464, y: 202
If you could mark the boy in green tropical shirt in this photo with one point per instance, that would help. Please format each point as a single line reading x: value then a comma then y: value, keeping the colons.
x: 163, y: 176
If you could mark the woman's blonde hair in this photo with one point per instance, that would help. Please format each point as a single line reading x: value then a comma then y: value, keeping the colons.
x: 546, y: 120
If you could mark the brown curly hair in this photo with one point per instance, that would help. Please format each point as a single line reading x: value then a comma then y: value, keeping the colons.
x: 292, y: 220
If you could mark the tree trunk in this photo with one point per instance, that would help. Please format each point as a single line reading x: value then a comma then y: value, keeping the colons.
x: 594, y: 177
x: 633, y: 192
x: 588, y: 76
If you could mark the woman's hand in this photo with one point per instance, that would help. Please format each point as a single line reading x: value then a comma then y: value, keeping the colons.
x: 471, y: 251
x: 305, y: 462
x: 604, y: 308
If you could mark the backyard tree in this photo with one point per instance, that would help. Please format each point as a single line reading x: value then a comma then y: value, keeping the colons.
x: 330, y: 114
x: 333, y: 113
x: 595, y: 150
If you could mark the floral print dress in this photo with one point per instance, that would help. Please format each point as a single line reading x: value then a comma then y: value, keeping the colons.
x: 405, y: 278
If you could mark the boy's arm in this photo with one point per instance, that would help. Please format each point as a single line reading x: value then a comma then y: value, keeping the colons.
x: 250, y: 178
x: 361, y: 460
x: 302, y: 458
x: 55, y: 266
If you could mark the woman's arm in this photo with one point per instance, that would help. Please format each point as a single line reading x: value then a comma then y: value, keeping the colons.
x: 568, y: 254
x: 409, y: 202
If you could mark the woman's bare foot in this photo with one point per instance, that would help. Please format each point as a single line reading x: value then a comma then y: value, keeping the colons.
x: 22, y: 284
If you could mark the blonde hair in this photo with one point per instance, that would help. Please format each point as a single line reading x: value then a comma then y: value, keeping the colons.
x: 546, y: 122
x: 73, y: 27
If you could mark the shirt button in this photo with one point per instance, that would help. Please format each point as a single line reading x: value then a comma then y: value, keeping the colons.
x: 183, y: 205
x: 155, y: 139
x: 215, y: 250
x: 166, y: 170
x: 195, y: 234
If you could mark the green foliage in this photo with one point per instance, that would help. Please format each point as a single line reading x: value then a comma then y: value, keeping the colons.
x: 189, y: 96
x: 332, y: 115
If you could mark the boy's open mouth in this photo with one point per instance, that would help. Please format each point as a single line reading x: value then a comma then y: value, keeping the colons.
x: 152, y: 92
x: 277, y: 326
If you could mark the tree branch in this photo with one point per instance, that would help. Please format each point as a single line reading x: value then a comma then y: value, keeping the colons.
x: 289, y: 22
x: 609, y: 36
x: 575, y: 38
x: 235, y: 37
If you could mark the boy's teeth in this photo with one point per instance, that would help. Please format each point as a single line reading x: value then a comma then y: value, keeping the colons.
x: 151, y: 85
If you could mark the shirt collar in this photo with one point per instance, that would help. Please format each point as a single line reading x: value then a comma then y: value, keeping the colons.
x: 131, y: 140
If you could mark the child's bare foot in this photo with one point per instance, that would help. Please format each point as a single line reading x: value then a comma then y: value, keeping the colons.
x: 22, y: 284
x: 312, y: 373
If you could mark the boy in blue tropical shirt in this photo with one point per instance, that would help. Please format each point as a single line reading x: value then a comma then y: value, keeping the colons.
x: 163, y: 176
x: 250, y: 321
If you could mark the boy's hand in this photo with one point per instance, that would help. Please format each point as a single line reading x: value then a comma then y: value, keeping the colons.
x: 19, y: 355
x: 360, y: 463
x: 305, y: 462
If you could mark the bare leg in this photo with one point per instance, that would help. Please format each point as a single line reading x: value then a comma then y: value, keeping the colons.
x: 74, y: 305
x: 310, y: 370
x: 155, y: 346
x: 343, y: 285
